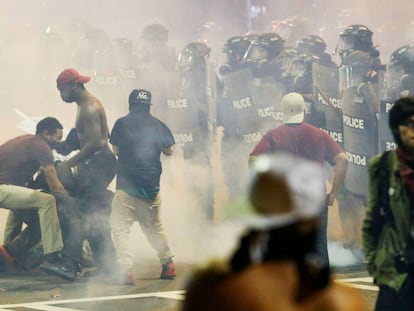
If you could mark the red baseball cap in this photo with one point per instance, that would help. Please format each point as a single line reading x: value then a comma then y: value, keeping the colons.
x: 71, y: 75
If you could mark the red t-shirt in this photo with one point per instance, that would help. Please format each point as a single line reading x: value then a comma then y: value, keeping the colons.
x: 21, y: 157
x: 302, y: 139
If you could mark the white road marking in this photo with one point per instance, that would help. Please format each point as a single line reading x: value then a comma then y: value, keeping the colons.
x: 48, y: 305
x: 354, y: 282
x: 366, y: 279
x: 40, y: 306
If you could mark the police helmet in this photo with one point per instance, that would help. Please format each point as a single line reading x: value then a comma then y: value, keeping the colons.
x: 357, y: 37
x: 403, y: 57
x: 192, y: 51
x: 311, y: 44
x: 266, y: 47
x: 237, y: 45
x: 272, y: 42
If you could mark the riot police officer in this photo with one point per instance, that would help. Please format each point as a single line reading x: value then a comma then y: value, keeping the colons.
x: 358, y: 38
x: 156, y: 63
x: 248, y: 106
x: 298, y: 77
x: 398, y: 82
x: 262, y: 56
x: 234, y: 50
x: 315, y: 46
x: 360, y: 128
x: 400, y: 72
x: 188, y: 113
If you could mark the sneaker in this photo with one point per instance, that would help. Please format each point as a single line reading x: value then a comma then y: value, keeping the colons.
x: 168, y: 271
x: 7, y: 262
x: 65, y: 270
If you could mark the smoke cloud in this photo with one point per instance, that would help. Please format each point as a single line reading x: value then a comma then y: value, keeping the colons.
x: 39, y: 38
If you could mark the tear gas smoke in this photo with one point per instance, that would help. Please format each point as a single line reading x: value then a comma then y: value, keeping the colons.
x: 39, y: 38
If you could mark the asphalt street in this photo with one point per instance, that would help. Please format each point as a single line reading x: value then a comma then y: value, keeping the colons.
x: 39, y: 291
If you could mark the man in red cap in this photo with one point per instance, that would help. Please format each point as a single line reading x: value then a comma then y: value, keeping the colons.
x: 93, y: 167
x: 69, y: 76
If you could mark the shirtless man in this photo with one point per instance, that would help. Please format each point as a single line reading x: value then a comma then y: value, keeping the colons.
x: 93, y: 167
x: 91, y: 123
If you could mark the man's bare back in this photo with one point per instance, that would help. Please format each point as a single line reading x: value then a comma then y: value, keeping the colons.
x: 91, y: 122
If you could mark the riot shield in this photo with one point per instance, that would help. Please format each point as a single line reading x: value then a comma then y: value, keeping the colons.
x: 253, y: 104
x: 267, y: 97
x: 182, y: 115
x: 327, y: 100
x: 387, y: 96
x: 106, y: 86
x: 211, y: 95
x: 237, y: 111
x: 360, y: 138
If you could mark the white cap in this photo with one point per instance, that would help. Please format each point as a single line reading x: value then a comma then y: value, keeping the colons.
x: 293, y: 108
x: 284, y: 189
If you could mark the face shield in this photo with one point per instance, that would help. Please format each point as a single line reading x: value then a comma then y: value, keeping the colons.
x: 345, y: 45
x: 185, y: 61
x: 256, y: 53
x: 394, y: 75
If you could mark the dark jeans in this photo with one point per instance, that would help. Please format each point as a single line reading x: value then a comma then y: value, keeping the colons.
x: 85, y: 216
x: 402, y: 300
x: 322, y: 240
x: 97, y: 230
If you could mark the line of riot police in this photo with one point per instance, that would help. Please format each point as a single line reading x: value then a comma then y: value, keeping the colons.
x: 240, y: 91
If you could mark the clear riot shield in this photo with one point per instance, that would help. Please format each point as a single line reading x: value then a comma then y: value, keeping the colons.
x: 211, y: 94
x: 239, y: 111
x: 182, y: 115
x: 360, y: 136
x: 128, y: 76
x: 327, y: 100
x: 387, y: 96
x: 267, y: 97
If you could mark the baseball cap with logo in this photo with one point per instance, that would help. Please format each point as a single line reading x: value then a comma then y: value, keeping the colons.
x: 293, y: 108
x: 69, y: 76
x: 140, y: 97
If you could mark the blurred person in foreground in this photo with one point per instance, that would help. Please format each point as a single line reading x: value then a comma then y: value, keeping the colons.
x: 286, y: 195
x: 20, y: 159
x: 387, y: 231
x: 307, y: 141
x: 139, y: 139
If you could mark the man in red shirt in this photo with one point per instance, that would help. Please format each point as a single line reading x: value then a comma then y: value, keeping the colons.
x: 20, y: 159
x: 309, y: 142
